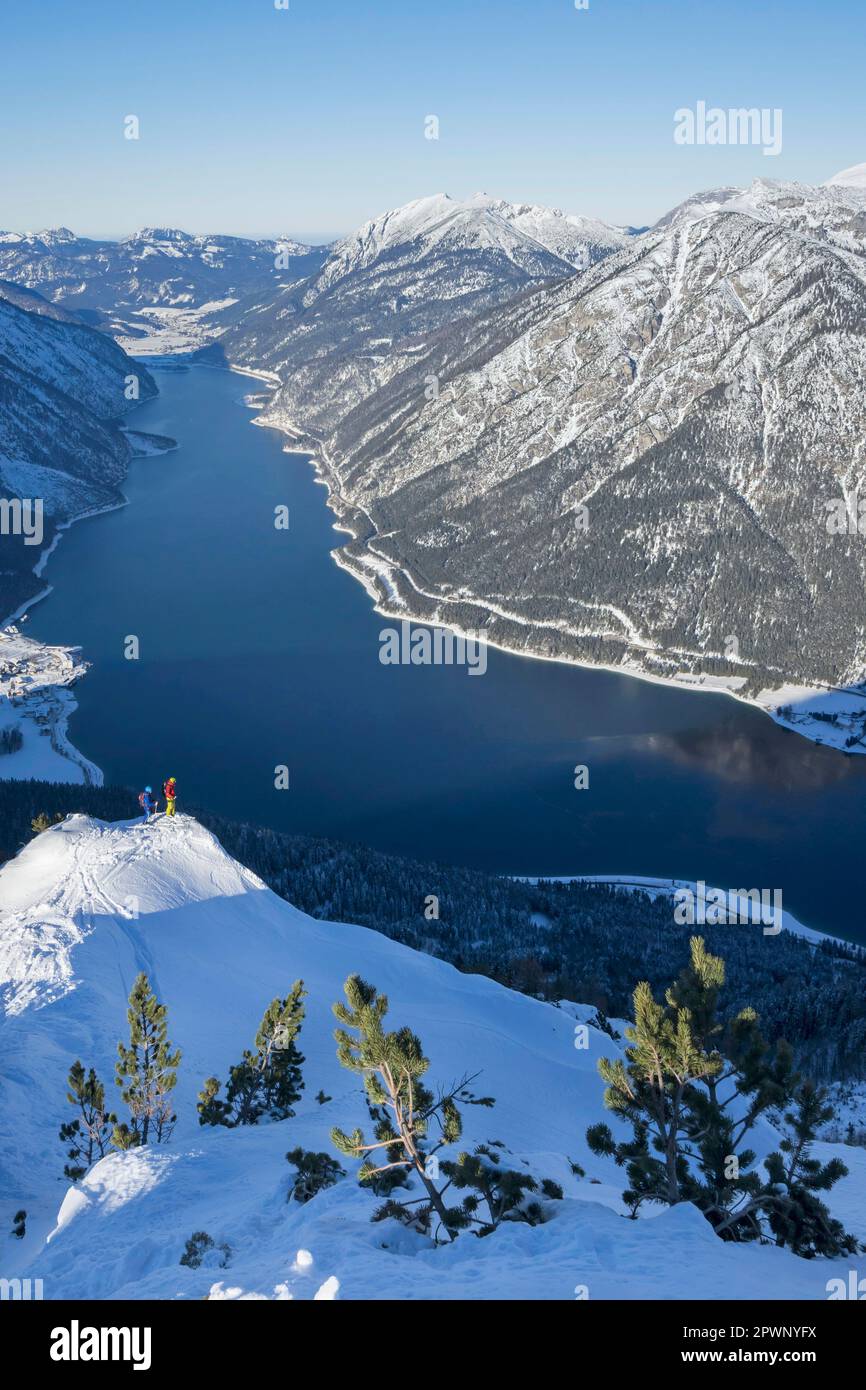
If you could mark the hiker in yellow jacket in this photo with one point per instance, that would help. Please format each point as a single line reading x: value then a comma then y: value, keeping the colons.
x: 170, y: 790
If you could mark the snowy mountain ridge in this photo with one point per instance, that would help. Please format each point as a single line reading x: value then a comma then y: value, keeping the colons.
x: 634, y: 465
x: 124, y: 286
x: 364, y: 318
x: 480, y: 221
x: 86, y: 906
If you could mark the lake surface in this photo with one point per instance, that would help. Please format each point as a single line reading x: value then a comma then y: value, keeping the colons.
x: 256, y: 650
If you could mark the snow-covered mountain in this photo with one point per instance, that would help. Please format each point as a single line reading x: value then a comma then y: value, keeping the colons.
x: 63, y: 386
x: 158, y: 289
x: 365, y: 317
x: 161, y: 266
x: 855, y: 177
x: 519, y: 230
x: 834, y: 211
x: 634, y: 465
x: 87, y: 905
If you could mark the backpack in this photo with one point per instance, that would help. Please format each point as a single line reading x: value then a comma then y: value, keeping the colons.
x: 142, y: 800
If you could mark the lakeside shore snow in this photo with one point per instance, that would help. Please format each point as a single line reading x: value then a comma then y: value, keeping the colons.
x: 826, y: 715
x: 36, y: 699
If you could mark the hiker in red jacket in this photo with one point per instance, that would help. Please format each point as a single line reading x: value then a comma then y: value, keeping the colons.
x: 170, y: 790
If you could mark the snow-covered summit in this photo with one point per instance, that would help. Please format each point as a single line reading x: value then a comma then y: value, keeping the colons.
x: 854, y: 177
x: 56, y: 236
x: 481, y: 222
x: 832, y: 212
x: 153, y: 234
x: 87, y: 905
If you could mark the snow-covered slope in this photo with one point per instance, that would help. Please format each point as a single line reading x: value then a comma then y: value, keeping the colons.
x: 63, y: 386
x: 853, y: 177
x: 86, y: 906
x: 635, y: 466
x: 365, y: 317
x: 833, y: 212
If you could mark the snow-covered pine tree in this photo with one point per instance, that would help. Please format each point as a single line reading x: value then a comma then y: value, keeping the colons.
x: 314, y: 1172
x: 795, y: 1214
x: 495, y: 1193
x: 88, y: 1136
x: 393, y: 1065
x: 650, y: 1089
x: 267, y: 1081
x: 146, y: 1070
x: 692, y: 1089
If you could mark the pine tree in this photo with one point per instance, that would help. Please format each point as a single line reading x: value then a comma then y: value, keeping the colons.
x: 651, y: 1090
x: 198, y: 1246
x: 692, y: 1089
x: 795, y: 1214
x: 89, y: 1135
x: 146, y: 1070
x: 393, y: 1065
x: 503, y: 1191
x: 267, y: 1081
x: 211, y: 1109
x: 725, y: 1106
x: 314, y: 1172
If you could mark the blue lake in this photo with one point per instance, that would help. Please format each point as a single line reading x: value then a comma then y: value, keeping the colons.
x: 256, y: 650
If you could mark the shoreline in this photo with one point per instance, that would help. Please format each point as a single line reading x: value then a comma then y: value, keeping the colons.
x: 381, y: 578
x: 36, y: 689
x: 658, y: 887
x: 50, y: 706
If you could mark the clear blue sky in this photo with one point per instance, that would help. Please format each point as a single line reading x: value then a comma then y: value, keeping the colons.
x: 256, y: 120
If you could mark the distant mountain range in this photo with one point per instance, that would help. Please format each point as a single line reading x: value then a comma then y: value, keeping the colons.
x: 606, y: 444
x: 155, y: 266
x: 159, y: 283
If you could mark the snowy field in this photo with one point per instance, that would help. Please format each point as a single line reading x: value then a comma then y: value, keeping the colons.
x: 36, y: 700
x: 86, y: 906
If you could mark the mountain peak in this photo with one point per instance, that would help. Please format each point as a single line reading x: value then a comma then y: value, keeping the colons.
x: 854, y: 177
x: 174, y: 234
x: 54, y: 236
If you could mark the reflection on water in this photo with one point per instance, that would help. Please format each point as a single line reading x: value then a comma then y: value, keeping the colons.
x: 753, y: 759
